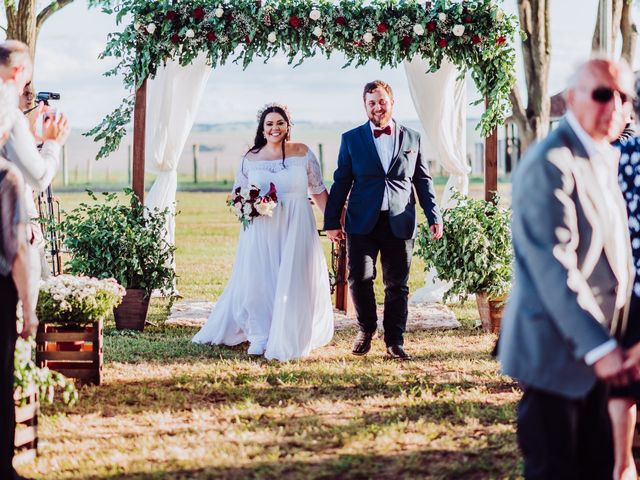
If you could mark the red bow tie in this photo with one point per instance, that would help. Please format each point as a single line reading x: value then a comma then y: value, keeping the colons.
x: 379, y: 131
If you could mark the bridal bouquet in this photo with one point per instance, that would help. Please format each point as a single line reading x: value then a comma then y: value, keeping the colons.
x: 247, y: 203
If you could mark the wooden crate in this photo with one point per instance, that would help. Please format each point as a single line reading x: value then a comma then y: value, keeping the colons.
x: 76, y: 353
x: 26, y: 436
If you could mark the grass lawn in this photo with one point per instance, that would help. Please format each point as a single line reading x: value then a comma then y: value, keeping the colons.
x: 172, y: 409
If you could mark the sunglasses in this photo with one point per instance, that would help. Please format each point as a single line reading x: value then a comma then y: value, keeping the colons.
x: 605, y: 95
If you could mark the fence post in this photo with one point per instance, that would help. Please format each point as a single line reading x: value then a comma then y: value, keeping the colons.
x: 321, y: 159
x: 128, y: 164
x: 215, y: 168
x: 65, y: 169
x: 89, y: 171
x: 196, y: 151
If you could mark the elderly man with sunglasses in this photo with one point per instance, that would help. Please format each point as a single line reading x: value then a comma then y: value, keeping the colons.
x: 572, y: 280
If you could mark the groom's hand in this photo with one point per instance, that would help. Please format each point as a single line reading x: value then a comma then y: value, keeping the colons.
x: 335, y: 235
x: 436, y: 231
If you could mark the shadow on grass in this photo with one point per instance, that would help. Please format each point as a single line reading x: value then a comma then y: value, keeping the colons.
x: 498, y: 459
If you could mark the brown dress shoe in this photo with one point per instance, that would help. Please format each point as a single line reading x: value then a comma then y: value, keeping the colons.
x: 362, y: 343
x: 396, y: 351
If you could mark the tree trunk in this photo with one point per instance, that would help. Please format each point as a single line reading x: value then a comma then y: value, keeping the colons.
x: 21, y: 22
x: 616, y: 19
x: 629, y: 32
x: 533, y: 122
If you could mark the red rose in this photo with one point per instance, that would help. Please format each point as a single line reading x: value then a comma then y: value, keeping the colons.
x: 341, y: 21
x: 382, y: 28
x: 467, y: 19
x: 501, y: 39
x: 321, y: 40
x: 175, y: 38
x: 476, y: 39
x: 230, y: 18
x: 359, y: 43
x: 442, y: 42
x: 247, y: 40
x: 272, y: 191
x: 253, y: 193
x: 258, y: 3
x: 431, y: 26
x: 406, y: 41
x: 171, y: 15
x: 198, y: 13
x: 211, y: 36
x: 294, y: 21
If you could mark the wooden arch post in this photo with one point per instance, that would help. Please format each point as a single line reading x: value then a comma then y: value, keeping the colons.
x: 139, y: 130
x: 490, y: 162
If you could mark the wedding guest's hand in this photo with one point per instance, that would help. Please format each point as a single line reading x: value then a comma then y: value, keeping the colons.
x: 32, y: 118
x: 56, y: 129
x: 610, y: 368
x: 436, y: 231
x: 335, y: 235
x: 29, y: 324
x: 632, y: 362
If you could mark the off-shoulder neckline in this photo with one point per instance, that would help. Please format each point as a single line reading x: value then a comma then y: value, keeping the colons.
x: 279, y: 159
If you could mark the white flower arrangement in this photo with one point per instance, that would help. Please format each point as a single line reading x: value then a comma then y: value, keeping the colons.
x: 367, y: 37
x: 458, y: 30
x: 77, y: 300
x: 272, y: 37
x: 190, y: 33
x: 247, y: 203
x: 317, y: 32
x: 315, y: 15
x: 418, y: 29
x: 219, y: 12
x: 442, y: 17
x: 151, y: 28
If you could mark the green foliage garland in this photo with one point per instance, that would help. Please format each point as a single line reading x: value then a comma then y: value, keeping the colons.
x: 475, y: 35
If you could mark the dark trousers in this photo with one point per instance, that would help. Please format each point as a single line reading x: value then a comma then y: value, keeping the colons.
x: 8, y: 335
x: 567, y: 439
x: 395, y: 258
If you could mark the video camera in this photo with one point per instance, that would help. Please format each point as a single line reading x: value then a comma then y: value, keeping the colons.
x: 46, y: 96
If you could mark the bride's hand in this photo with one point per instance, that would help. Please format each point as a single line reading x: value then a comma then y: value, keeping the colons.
x: 335, y: 235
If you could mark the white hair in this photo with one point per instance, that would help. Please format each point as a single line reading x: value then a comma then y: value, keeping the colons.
x: 8, y: 106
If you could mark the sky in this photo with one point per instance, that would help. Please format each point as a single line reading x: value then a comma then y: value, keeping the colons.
x: 319, y: 90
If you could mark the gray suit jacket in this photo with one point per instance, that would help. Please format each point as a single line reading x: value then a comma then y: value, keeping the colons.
x: 562, y: 301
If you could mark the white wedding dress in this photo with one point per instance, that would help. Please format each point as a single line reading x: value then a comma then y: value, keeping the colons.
x: 278, y: 295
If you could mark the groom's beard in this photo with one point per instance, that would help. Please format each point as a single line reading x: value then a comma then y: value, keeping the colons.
x: 380, y: 120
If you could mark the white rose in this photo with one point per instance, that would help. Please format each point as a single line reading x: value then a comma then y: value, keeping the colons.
x: 442, y: 17
x: 367, y: 37
x: 317, y: 32
x: 272, y: 37
x: 262, y: 208
x: 314, y: 15
x: 219, y: 12
x: 458, y: 30
x: 136, y: 25
x: 237, y: 209
x: 246, y: 209
x: 151, y: 28
x: 418, y: 29
x: 189, y: 33
x: 499, y: 15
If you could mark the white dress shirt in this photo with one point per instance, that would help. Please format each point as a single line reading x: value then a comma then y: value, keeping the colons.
x: 386, y: 146
x: 605, y: 167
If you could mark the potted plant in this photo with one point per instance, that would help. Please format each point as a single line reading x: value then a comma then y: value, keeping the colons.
x: 474, y: 255
x: 125, y: 241
x: 71, y: 311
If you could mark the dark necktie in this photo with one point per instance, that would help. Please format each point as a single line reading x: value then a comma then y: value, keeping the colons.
x: 379, y: 131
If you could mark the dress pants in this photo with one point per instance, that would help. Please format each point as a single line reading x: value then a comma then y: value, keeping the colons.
x: 8, y: 335
x: 564, y: 438
x: 395, y: 258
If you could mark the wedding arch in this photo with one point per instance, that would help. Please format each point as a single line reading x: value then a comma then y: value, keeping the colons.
x: 169, y: 49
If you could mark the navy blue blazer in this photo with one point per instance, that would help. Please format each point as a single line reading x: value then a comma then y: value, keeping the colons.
x: 361, y: 176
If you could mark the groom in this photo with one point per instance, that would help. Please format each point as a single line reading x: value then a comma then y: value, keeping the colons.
x: 380, y: 169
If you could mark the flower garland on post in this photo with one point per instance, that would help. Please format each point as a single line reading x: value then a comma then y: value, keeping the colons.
x: 475, y: 35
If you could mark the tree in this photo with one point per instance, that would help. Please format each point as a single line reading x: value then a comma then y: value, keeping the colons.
x: 622, y: 21
x: 533, y: 121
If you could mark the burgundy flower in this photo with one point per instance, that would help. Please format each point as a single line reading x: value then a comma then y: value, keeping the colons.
x: 254, y: 193
x: 406, y: 41
x: 171, y: 15
x: 382, y: 28
x: 272, y: 191
x: 247, y: 39
x: 175, y: 38
x: 358, y: 43
x: 467, y: 19
x: 230, y: 18
x: 267, y: 19
x: 321, y: 40
x: 238, y: 199
x: 294, y: 21
x: 259, y: 3
x: 442, y: 42
x: 431, y: 26
x: 476, y: 39
x: 501, y: 39
x: 198, y: 14
x: 341, y: 21
x: 211, y: 36
x: 237, y: 192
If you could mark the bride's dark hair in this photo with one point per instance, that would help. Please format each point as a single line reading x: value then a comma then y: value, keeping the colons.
x: 260, y: 140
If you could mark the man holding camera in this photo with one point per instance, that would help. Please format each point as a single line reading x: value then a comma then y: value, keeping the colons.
x: 38, y: 167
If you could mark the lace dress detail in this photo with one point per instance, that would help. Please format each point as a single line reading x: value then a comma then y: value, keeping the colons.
x: 278, y: 294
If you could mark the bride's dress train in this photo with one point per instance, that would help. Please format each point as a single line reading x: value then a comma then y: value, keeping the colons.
x: 278, y: 296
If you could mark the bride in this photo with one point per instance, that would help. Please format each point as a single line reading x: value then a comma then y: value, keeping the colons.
x: 278, y: 296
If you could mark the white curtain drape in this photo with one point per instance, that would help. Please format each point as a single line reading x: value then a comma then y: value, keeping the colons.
x: 441, y: 103
x: 173, y: 98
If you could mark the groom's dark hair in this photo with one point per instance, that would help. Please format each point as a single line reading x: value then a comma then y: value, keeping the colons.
x: 375, y: 85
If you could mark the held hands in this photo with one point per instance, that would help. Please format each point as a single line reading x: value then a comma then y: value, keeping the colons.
x: 619, y: 368
x: 336, y: 235
x: 29, y: 324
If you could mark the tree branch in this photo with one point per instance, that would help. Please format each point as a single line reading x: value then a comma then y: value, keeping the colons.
x: 49, y: 10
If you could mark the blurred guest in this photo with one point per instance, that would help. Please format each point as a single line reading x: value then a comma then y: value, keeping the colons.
x: 572, y: 276
x: 37, y: 167
x: 623, y: 400
x: 14, y: 279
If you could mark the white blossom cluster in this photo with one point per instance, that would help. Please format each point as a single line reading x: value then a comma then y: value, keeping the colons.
x: 66, y: 293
